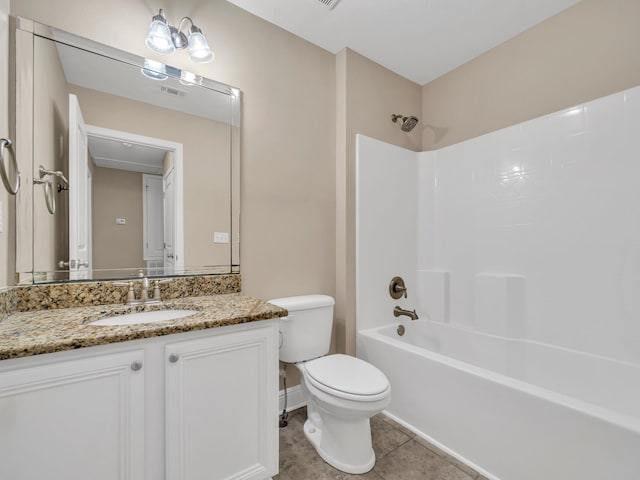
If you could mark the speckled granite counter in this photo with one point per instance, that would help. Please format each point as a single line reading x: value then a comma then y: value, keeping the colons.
x: 76, y: 294
x: 8, y: 302
x: 46, y: 331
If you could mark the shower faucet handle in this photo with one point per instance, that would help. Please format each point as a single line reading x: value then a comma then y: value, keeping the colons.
x: 397, y: 288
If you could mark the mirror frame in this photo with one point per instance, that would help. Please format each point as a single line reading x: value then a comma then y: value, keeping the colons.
x: 25, y: 33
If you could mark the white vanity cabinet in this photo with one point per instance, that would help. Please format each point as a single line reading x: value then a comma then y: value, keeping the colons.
x: 188, y: 406
x: 221, y: 407
x: 73, y: 419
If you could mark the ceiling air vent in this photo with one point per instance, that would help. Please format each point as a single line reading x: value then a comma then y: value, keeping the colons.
x: 330, y: 4
x: 173, y: 91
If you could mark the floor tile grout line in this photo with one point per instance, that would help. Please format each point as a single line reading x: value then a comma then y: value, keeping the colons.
x: 446, y: 458
x: 469, y: 473
x: 395, y: 448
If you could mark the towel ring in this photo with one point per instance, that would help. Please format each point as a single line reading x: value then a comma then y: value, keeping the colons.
x: 11, y: 186
x: 49, y: 195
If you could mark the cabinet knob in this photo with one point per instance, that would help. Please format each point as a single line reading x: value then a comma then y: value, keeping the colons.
x: 137, y: 365
x: 173, y: 358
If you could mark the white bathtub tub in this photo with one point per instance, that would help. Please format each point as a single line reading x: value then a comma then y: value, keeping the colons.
x: 515, y: 410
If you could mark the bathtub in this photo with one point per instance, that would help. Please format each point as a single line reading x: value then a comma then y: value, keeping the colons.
x: 512, y: 409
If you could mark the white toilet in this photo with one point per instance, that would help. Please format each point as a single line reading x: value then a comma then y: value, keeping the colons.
x: 342, y: 392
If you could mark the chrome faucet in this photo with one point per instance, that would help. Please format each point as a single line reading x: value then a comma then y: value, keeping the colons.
x: 144, y: 294
x: 409, y: 313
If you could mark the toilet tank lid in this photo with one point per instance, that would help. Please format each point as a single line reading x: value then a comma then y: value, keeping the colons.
x: 303, y: 302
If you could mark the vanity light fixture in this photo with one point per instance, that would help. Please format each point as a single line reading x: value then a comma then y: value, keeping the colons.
x: 164, y: 38
x: 154, y: 70
x: 188, y: 78
x: 159, y: 71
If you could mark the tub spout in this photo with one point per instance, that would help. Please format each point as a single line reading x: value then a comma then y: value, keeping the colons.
x: 409, y: 313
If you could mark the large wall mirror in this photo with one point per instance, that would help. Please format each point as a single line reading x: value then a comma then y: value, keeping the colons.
x: 128, y: 165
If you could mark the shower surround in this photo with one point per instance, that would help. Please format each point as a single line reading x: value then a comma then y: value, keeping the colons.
x: 521, y: 254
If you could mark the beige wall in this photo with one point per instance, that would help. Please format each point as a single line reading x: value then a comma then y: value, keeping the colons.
x: 367, y: 94
x: 585, y: 52
x: 50, y: 149
x: 206, y: 168
x: 116, y: 194
x: 288, y: 168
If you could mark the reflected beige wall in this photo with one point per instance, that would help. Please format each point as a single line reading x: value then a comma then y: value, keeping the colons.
x: 116, y: 194
x: 588, y: 51
x: 367, y: 94
x: 206, y: 165
x: 167, y: 162
x: 50, y: 149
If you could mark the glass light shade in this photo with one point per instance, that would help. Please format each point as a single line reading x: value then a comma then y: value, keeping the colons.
x: 154, y: 70
x: 188, y: 79
x: 159, y: 38
x: 199, y: 50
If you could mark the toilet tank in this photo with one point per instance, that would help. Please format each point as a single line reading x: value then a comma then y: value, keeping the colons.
x: 306, y: 332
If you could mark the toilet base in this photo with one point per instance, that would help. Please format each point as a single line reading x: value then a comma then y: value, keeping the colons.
x: 314, y: 435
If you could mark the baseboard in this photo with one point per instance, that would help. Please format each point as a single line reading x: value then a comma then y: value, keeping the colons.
x: 295, y: 399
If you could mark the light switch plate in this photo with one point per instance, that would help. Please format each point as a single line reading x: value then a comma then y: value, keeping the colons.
x: 220, y: 237
x: 121, y: 221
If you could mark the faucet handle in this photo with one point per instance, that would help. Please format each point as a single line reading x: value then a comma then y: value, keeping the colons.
x: 156, y: 288
x: 131, y: 297
x: 397, y: 288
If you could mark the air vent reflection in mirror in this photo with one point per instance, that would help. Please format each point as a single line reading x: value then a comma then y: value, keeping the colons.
x: 173, y: 91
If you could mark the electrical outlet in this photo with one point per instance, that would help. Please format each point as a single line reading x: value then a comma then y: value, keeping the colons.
x: 220, y: 237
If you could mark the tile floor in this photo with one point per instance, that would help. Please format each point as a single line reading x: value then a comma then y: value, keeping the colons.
x: 400, y: 455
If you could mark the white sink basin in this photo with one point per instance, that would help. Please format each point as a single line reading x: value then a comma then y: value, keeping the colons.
x: 144, y: 317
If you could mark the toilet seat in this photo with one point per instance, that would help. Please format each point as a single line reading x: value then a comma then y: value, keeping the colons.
x: 347, y: 377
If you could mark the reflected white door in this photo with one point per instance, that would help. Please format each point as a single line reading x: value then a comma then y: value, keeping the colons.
x: 79, y: 195
x: 152, y: 218
x: 169, y: 198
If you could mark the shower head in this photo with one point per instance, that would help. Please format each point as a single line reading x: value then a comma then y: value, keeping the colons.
x: 408, y: 123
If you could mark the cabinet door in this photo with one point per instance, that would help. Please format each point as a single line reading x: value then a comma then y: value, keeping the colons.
x: 80, y: 419
x: 221, y: 406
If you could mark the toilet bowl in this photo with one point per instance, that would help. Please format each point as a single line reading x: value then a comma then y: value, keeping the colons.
x: 338, y: 415
x: 342, y: 392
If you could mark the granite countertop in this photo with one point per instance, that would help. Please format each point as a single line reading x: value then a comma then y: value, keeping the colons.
x: 46, y: 331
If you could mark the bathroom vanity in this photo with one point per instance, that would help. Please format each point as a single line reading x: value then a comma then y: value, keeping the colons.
x: 199, y: 403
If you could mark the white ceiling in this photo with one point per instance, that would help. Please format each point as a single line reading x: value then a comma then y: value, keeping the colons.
x: 111, y: 153
x: 99, y: 72
x: 418, y: 39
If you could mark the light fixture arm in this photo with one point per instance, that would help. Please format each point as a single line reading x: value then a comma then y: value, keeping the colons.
x: 161, y: 17
x: 181, y: 24
x: 178, y: 36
